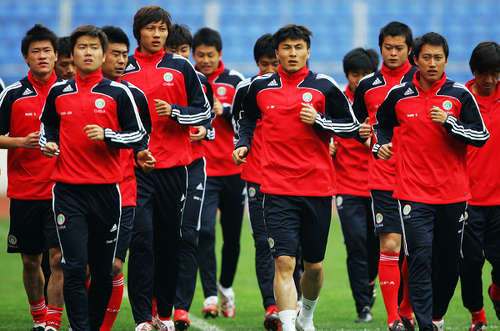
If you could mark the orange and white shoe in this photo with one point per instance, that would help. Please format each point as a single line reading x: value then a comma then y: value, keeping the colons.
x: 181, y: 319
x: 228, y: 305
x: 210, y: 307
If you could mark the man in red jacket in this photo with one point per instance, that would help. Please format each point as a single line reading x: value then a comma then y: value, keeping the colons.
x: 176, y: 102
x: 353, y: 196
x: 482, y: 221
x: 32, y: 228
x: 224, y: 189
x: 299, y: 111
x: 395, y: 42
x: 436, y: 118
x: 84, y: 123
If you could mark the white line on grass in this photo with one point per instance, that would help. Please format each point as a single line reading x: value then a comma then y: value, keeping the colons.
x: 202, y: 325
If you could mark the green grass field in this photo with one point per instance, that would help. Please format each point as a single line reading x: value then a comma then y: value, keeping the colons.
x: 335, y: 310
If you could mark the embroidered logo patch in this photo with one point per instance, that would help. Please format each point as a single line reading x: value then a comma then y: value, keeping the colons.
x: 12, y: 240
x: 406, y: 210
x: 221, y: 90
x: 340, y: 200
x: 252, y: 192
x: 271, y: 242
x: 61, y: 219
x: 447, y: 105
x: 168, y: 77
x: 379, y: 218
x: 307, y: 97
x: 100, y: 103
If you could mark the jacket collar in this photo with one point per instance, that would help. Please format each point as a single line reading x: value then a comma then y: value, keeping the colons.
x: 294, y: 77
x: 38, y: 84
x: 89, y: 80
x: 434, y: 88
x: 396, y: 73
x: 144, y: 57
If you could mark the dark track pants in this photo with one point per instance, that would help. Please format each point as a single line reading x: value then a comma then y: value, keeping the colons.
x: 88, y: 220
x: 432, y: 234
x: 264, y: 262
x: 155, y: 240
x: 362, y: 245
x: 481, y: 233
x: 191, y: 222
x: 227, y: 194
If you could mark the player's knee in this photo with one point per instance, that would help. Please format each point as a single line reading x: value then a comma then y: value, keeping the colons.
x: 55, y: 258
x: 313, y: 270
x: 390, y: 242
x: 117, y: 267
x: 31, y: 263
x: 285, y: 265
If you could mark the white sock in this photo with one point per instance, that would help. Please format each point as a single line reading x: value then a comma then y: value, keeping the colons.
x: 307, y: 310
x: 288, y: 318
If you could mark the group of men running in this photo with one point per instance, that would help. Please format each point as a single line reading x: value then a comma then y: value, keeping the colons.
x: 139, y: 152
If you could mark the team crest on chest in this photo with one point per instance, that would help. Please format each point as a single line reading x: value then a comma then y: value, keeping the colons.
x: 168, y: 77
x: 100, y: 103
x: 307, y: 97
x: 221, y: 90
x: 447, y: 105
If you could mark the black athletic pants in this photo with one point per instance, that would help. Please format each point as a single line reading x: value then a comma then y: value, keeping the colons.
x: 356, y: 219
x: 227, y: 194
x: 433, y: 235
x: 88, y: 221
x: 191, y: 222
x: 481, y: 241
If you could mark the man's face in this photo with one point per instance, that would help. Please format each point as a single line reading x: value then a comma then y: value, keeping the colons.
x: 183, y: 50
x: 153, y: 37
x: 41, y: 58
x: 486, y: 83
x: 88, y: 55
x: 431, y: 62
x: 293, y: 55
x: 65, y: 67
x: 267, y: 65
x: 394, y: 51
x: 354, y: 76
x: 116, y: 61
x: 207, y: 58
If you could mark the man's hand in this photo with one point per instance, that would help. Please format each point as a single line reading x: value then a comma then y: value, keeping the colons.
x: 94, y: 132
x: 438, y: 115
x: 30, y: 141
x: 385, y: 152
x: 240, y: 155
x: 163, y: 108
x: 201, y: 132
x: 308, y: 114
x: 145, y: 160
x: 368, y: 143
x: 218, y: 109
x: 332, y: 148
x: 365, y: 129
x: 50, y: 149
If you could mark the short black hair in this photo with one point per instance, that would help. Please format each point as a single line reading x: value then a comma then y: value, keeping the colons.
x: 430, y: 38
x: 179, y: 35
x: 293, y: 32
x: 64, y: 47
x: 264, y: 46
x: 116, y: 35
x: 360, y: 59
x: 394, y: 29
x: 38, y: 33
x: 91, y: 31
x: 485, y: 58
x: 147, y: 15
x: 208, y: 37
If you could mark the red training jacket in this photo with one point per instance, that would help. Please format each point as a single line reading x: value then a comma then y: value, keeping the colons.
x: 482, y: 164
x: 431, y: 167
x: 370, y: 93
x: 28, y: 169
x: 295, y: 159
